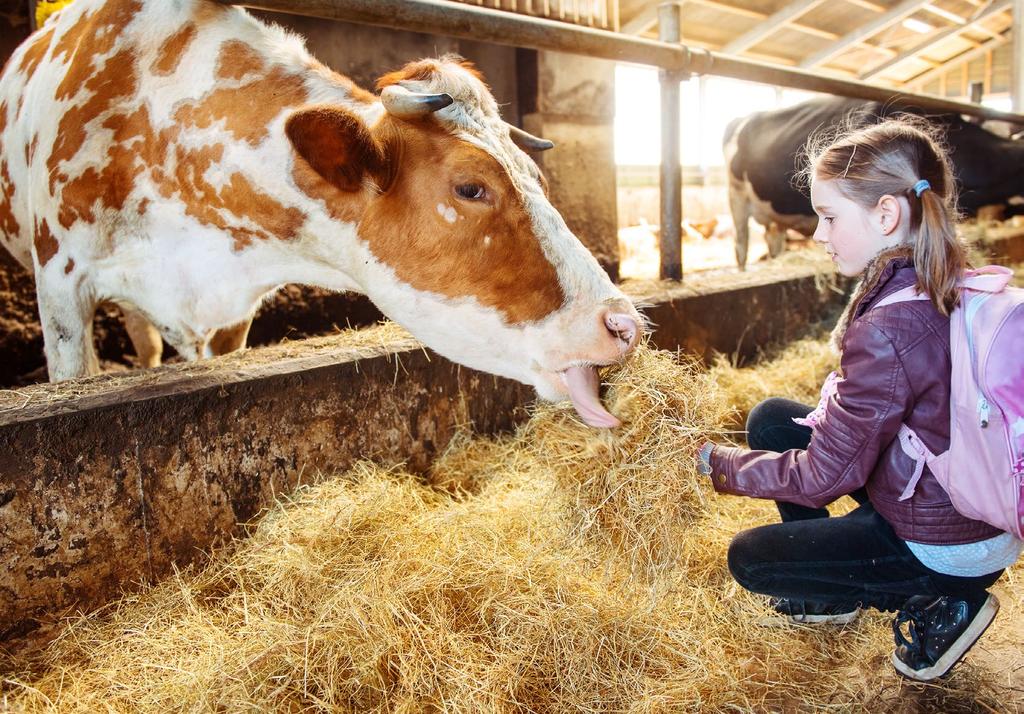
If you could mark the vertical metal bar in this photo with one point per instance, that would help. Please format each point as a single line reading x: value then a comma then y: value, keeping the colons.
x: 671, y: 182
x: 1017, y: 58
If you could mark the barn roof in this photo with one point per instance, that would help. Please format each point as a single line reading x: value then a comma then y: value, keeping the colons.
x: 907, y: 44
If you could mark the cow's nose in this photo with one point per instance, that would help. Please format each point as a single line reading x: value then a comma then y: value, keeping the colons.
x: 624, y: 328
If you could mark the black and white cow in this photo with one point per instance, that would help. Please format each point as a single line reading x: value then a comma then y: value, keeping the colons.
x: 763, y: 154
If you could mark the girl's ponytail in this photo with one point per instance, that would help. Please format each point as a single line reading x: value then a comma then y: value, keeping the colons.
x: 939, y: 256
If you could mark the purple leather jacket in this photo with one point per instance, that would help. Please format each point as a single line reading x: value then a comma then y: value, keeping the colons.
x: 896, y: 364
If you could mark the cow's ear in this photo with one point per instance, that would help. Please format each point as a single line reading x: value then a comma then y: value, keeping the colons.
x: 338, y: 146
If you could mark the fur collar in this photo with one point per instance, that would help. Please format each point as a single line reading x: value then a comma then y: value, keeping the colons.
x: 876, y: 274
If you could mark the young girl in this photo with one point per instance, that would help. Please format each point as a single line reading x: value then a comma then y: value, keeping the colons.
x: 885, y: 201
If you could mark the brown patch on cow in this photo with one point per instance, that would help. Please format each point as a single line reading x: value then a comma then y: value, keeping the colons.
x: 8, y: 223
x: 237, y: 59
x: 229, y: 206
x: 30, y: 149
x: 116, y: 80
x: 46, y: 244
x: 246, y: 111
x: 240, y: 198
x: 3, y: 116
x: 96, y: 33
x: 143, y: 205
x: 134, y: 148
x: 70, y: 266
x: 78, y: 197
x: 425, y: 69
x: 404, y: 230
x: 172, y: 49
x: 35, y: 52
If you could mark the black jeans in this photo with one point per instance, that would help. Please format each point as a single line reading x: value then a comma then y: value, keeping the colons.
x: 847, y: 561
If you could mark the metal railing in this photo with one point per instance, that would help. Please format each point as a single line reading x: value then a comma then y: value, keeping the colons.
x: 678, y: 61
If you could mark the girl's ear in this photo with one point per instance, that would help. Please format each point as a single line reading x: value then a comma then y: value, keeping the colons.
x: 888, y: 212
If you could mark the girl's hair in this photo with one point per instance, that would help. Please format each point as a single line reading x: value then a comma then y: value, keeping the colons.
x: 889, y: 158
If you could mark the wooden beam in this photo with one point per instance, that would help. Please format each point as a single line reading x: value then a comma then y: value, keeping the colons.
x: 894, y: 15
x: 1017, y: 57
x: 942, y: 70
x: 643, y: 21
x: 993, y: 9
x: 944, y: 14
x: 778, y: 19
x: 874, y: 7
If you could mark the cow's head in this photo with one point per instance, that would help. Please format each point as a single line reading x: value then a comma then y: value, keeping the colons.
x: 461, y: 245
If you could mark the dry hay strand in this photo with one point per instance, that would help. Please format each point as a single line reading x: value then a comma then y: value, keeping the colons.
x: 632, y: 485
x: 376, y: 592
x: 796, y: 372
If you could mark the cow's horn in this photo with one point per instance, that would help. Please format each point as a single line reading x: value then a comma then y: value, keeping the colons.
x: 528, y: 142
x: 400, y: 102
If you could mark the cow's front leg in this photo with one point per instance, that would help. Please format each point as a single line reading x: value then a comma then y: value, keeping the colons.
x: 145, y: 338
x: 229, y: 339
x: 66, y: 311
x: 775, y: 237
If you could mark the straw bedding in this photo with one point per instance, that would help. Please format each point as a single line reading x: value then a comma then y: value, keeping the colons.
x: 558, y: 569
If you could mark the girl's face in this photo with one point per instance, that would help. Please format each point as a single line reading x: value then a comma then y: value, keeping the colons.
x: 851, y: 234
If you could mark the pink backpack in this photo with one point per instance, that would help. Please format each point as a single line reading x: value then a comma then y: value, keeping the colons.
x: 984, y: 467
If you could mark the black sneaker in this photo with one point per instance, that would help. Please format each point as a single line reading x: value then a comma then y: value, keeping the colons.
x: 940, y: 630
x: 803, y: 612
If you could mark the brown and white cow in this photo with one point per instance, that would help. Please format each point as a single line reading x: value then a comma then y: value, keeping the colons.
x: 184, y: 160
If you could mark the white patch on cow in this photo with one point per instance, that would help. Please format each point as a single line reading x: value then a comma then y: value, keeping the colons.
x: 487, y: 241
x: 447, y: 212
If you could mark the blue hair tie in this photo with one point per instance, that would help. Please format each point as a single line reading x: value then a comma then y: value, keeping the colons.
x: 921, y: 186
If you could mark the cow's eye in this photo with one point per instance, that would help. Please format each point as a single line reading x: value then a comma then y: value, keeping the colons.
x: 470, y: 191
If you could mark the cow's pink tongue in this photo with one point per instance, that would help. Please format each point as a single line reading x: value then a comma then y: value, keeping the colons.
x: 583, y: 383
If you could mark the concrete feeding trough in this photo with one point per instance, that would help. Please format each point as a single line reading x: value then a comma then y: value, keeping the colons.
x: 109, y: 481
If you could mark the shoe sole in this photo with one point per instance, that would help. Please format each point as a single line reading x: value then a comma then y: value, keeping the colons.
x: 789, y: 620
x: 957, y: 650
x: 844, y: 618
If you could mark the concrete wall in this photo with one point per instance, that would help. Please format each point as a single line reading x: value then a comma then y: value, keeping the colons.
x: 571, y: 101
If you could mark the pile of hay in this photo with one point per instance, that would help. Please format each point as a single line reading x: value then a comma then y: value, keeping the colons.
x: 796, y: 372
x: 560, y: 569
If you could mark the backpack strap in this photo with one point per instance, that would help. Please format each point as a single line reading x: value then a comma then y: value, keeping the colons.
x: 921, y: 454
x: 987, y: 279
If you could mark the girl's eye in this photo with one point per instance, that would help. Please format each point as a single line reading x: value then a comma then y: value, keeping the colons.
x: 829, y: 219
x: 470, y: 191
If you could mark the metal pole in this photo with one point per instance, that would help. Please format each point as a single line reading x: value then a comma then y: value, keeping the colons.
x: 671, y: 177
x: 438, y: 17
x: 1017, y: 58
